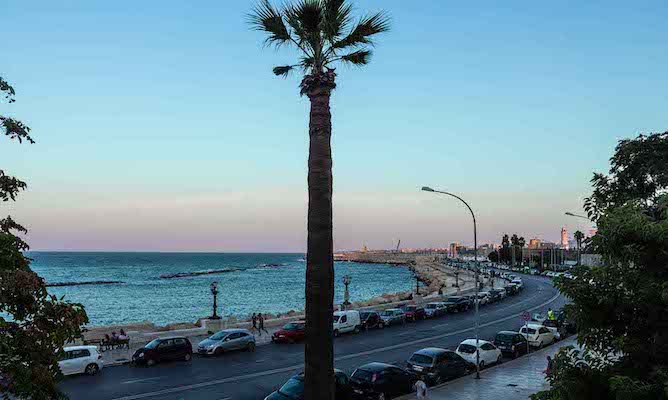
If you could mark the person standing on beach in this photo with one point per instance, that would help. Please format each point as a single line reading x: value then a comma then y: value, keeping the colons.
x: 261, y: 319
x: 254, y: 320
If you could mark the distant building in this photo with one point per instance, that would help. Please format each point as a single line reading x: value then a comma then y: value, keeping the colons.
x: 573, y: 244
x: 592, y: 231
x: 547, y: 245
x: 564, y: 238
x: 534, y: 243
x: 453, y: 249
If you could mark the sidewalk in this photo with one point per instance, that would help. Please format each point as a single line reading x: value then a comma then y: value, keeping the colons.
x: 512, y: 380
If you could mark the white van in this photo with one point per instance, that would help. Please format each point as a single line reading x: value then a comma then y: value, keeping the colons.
x: 347, y: 321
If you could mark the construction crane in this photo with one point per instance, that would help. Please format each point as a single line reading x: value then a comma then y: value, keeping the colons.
x: 398, y: 244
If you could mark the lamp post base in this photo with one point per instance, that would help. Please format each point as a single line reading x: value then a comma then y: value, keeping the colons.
x: 214, y: 317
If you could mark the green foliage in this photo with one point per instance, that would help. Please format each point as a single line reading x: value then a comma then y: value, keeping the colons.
x: 621, y: 308
x: 322, y: 30
x: 32, y: 338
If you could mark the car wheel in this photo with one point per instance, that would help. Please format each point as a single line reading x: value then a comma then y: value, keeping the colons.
x: 482, y: 364
x: 336, y: 333
x: 498, y: 359
x: 91, y: 369
x: 516, y: 354
x: 381, y: 325
x: 438, y: 380
x: 251, y: 347
x: 383, y: 396
x: 188, y: 357
x: 218, y: 352
x: 150, y: 363
x: 540, y: 344
x: 357, y: 329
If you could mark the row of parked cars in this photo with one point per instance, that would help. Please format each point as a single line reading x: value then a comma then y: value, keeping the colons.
x: 433, y: 365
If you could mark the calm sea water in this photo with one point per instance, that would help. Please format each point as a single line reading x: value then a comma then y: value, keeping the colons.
x: 250, y: 288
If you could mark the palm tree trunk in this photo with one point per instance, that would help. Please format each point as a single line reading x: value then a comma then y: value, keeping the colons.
x: 319, y: 351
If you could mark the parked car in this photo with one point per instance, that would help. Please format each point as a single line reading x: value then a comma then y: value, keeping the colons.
x: 489, y: 354
x: 518, y: 282
x: 434, y: 365
x: 371, y: 319
x: 413, y: 313
x: 380, y: 381
x: 290, y: 333
x: 164, y: 349
x: 538, y: 317
x: 554, y: 327
x: 393, y: 316
x: 484, y: 298
x: 511, y: 343
x: 497, y: 294
x: 435, y: 309
x: 227, y: 340
x: 80, y: 360
x: 537, y: 335
x: 293, y: 389
x: 511, y: 290
x: 347, y: 321
x: 567, y: 324
x: 457, y: 303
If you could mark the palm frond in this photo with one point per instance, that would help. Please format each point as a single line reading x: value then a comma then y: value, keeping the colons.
x: 304, y: 17
x: 359, y: 57
x: 362, y: 32
x: 283, y: 70
x: 264, y: 17
x: 307, y: 63
x: 337, y: 16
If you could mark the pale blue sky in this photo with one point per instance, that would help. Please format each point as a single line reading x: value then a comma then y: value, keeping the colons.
x: 160, y: 126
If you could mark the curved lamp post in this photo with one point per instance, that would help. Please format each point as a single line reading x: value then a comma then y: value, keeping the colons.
x: 570, y: 214
x: 475, y: 247
x: 214, y: 293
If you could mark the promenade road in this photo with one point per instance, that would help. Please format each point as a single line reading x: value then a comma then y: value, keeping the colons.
x: 245, y: 375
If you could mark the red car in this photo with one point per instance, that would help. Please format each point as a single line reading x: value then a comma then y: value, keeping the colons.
x: 290, y: 333
x: 414, y: 313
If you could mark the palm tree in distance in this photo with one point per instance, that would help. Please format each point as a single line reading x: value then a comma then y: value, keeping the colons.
x: 324, y: 34
x: 579, y: 236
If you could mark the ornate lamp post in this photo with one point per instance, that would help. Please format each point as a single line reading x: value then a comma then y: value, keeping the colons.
x: 214, y: 293
x: 346, y: 295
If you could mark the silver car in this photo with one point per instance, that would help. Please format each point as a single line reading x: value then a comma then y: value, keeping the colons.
x: 227, y: 340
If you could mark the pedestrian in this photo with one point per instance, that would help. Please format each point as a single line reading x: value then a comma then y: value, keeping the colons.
x: 421, y: 390
x: 261, y: 320
x: 549, y: 371
x: 550, y: 314
x: 254, y: 320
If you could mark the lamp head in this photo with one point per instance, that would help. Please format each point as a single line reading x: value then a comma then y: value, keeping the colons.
x: 427, y: 189
x: 569, y: 214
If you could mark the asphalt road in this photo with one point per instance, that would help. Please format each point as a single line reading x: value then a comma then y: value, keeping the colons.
x: 245, y: 376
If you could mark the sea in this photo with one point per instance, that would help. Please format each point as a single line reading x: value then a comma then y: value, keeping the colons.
x: 257, y: 282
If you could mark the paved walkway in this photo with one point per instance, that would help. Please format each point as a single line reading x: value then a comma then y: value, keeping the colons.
x: 512, y: 380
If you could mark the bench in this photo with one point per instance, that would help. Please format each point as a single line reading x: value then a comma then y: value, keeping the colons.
x: 112, y: 344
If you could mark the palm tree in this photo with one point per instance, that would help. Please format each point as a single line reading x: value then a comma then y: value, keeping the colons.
x: 324, y: 34
x: 579, y: 236
x: 520, y: 243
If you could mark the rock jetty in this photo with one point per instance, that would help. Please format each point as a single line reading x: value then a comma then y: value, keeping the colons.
x: 197, y: 273
x: 58, y: 284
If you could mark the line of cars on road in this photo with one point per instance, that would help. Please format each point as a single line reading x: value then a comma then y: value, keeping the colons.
x: 432, y: 365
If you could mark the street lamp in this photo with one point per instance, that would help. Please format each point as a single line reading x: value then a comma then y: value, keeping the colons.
x: 475, y: 246
x: 346, y: 296
x: 214, y: 293
x: 570, y: 214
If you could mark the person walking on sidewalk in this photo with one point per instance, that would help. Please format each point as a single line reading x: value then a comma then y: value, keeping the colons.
x: 261, y: 320
x: 254, y: 321
x: 549, y: 371
x: 421, y: 390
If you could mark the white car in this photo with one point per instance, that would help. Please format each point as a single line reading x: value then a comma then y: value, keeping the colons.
x: 537, y: 335
x: 80, y: 360
x: 489, y: 354
x: 347, y: 321
x: 517, y: 282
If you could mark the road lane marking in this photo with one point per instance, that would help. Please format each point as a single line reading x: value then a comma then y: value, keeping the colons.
x: 340, y: 358
x: 141, y: 380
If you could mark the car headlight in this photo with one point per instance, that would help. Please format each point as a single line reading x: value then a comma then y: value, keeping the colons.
x: 141, y: 355
x: 211, y: 346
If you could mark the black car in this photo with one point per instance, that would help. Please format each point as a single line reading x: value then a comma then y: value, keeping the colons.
x: 458, y: 303
x: 567, y: 324
x: 379, y: 380
x: 371, y: 319
x: 494, y: 295
x: 293, y: 389
x: 511, y: 343
x: 164, y: 349
x: 434, y: 365
x: 511, y: 290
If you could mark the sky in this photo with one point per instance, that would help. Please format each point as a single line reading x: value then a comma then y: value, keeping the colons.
x: 160, y: 126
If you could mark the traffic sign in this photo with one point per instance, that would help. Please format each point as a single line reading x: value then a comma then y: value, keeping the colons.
x: 526, y: 317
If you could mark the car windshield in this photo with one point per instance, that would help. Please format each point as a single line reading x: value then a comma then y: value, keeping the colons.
x: 550, y: 323
x: 388, y: 312
x: 153, y: 344
x: 431, y: 306
x: 294, y: 388
x: 218, y: 336
x: 291, y: 326
x: 531, y: 331
x: 421, y: 359
x: 409, y: 308
x: 453, y: 299
x: 336, y: 318
x: 466, y: 348
x: 504, y: 337
x: 365, y: 315
x: 362, y: 375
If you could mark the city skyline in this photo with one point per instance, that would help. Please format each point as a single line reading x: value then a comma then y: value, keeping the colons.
x: 165, y: 130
